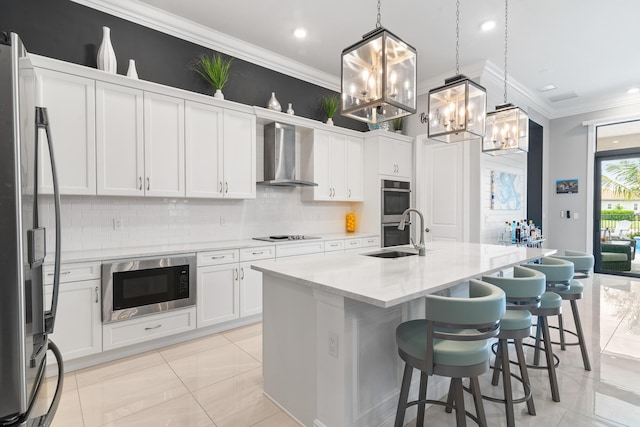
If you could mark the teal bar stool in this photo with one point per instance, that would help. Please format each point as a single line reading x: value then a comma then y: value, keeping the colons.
x: 558, y: 274
x: 451, y: 341
x: 523, y: 293
x: 583, y: 264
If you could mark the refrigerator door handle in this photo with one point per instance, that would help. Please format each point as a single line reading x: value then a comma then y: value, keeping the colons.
x: 42, y: 122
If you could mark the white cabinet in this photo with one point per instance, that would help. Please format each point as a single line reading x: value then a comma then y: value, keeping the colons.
x: 70, y: 102
x: 220, y: 152
x: 119, y: 140
x: 78, y: 326
x: 147, y: 328
x: 337, y: 167
x: 218, y: 294
x: 355, y: 169
x: 239, y: 155
x: 163, y: 145
x: 395, y: 157
x: 204, y: 150
x: 250, y: 289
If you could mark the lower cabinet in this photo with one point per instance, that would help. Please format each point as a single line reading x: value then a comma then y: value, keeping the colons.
x: 146, y: 328
x: 250, y: 290
x: 78, y: 327
x: 218, y: 294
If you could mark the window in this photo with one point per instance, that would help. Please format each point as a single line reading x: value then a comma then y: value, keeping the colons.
x: 635, y: 206
x: 608, y: 205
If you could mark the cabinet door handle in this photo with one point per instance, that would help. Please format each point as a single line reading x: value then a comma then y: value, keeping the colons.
x: 148, y: 328
x: 139, y: 183
x: 97, y: 295
x: 226, y: 187
x: 236, y: 271
x: 64, y: 272
x: 349, y: 193
x: 242, y: 273
x: 220, y: 187
x: 148, y: 183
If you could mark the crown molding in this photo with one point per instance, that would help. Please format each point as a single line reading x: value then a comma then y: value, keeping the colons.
x: 159, y: 20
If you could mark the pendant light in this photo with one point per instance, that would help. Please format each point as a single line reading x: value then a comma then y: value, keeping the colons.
x: 458, y: 109
x: 378, y: 77
x: 508, y: 126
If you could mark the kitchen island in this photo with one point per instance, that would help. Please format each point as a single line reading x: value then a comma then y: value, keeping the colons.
x: 329, y: 351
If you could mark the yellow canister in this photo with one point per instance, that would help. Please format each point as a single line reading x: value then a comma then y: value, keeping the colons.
x: 351, y: 222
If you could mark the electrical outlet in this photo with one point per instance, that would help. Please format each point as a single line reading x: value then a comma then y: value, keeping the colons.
x: 562, y: 214
x: 333, y: 344
x: 223, y: 221
x: 575, y: 215
x: 117, y: 223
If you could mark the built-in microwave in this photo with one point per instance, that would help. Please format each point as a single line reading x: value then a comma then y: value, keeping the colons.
x: 395, y: 199
x: 138, y: 287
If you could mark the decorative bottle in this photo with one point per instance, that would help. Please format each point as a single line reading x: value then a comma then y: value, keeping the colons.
x: 273, y: 103
x: 132, y: 72
x: 290, y: 109
x: 351, y: 222
x: 106, y: 55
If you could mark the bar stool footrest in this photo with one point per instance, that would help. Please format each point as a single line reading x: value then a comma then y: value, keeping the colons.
x: 445, y: 404
x: 555, y: 358
x: 566, y: 331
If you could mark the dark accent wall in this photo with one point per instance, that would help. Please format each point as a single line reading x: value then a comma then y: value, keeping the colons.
x: 534, y: 174
x: 71, y: 32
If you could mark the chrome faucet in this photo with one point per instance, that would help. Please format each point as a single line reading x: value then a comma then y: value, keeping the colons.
x: 420, y: 247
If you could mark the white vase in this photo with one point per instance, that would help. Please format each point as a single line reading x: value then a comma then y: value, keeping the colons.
x: 106, y: 56
x: 132, y: 72
x: 290, y: 109
x: 218, y: 94
x: 329, y: 121
x: 273, y: 103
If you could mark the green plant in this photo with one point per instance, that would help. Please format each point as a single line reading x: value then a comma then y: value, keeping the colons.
x: 397, y: 123
x: 330, y: 105
x: 214, y: 69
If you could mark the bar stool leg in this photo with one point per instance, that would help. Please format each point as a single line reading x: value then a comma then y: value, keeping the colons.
x: 450, y: 397
x: 506, y: 382
x: 477, y: 400
x: 424, y: 378
x: 404, y: 395
x: 583, y: 345
x: 461, y: 416
x: 555, y: 393
x: 496, y: 367
x: 524, y: 373
x: 536, y: 352
x: 563, y: 347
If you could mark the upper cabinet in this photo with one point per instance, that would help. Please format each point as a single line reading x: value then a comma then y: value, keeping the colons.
x: 336, y: 166
x: 220, y: 152
x: 119, y: 140
x: 70, y: 102
x: 395, y: 157
x: 163, y: 145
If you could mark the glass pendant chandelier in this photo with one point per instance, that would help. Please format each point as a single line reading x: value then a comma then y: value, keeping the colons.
x: 378, y: 77
x: 508, y: 126
x: 458, y: 109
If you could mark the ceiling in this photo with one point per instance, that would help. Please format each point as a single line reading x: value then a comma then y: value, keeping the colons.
x: 586, y: 48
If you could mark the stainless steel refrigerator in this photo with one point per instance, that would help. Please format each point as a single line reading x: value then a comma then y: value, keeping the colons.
x: 25, y: 323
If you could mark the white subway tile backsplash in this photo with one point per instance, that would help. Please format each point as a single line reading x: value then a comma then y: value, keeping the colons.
x: 87, y: 222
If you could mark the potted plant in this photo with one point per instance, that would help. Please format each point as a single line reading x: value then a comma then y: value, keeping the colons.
x: 214, y: 69
x: 397, y: 124
x: 330, y: 105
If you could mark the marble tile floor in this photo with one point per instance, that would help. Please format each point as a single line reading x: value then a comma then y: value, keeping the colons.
x: 217, y: 380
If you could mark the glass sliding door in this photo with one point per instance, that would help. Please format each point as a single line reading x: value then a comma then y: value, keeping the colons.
x: 617, y: 199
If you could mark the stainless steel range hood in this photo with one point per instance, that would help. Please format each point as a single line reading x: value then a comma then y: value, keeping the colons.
x: 280, y: 167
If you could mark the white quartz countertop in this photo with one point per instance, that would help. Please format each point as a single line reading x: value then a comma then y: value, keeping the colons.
x: 386, y: 282
x: 173, y: 249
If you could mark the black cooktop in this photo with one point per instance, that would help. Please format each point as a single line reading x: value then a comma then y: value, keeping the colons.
x: 285, y: 237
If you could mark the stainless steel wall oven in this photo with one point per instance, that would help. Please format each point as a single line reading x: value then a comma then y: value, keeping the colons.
x: 138, y: 287
x: 395, y: 198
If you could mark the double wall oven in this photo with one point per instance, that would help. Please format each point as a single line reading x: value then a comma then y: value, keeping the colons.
x: 138, y: 287
x: 395, y: 199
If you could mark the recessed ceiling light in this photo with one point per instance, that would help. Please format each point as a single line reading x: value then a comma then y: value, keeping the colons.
x: 547, y: 88
x: 616, y: 141
x: 300, y: 33
x: 488, y: 25
x: 633, y: 90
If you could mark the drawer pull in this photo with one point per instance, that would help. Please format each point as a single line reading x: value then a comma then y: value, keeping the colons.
x: 218, y: 257
x: 152, y: 327
x: 63, y: 272
x: 333, y: 245
x: 258, y: 253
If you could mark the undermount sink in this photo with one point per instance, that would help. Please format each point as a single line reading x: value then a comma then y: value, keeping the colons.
x: 390, y: 254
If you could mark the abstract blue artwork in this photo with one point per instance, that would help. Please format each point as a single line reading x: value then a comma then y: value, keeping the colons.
x: 506, y: 191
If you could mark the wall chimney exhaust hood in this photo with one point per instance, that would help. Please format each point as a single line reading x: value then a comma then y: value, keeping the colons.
x: 280, y: 156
